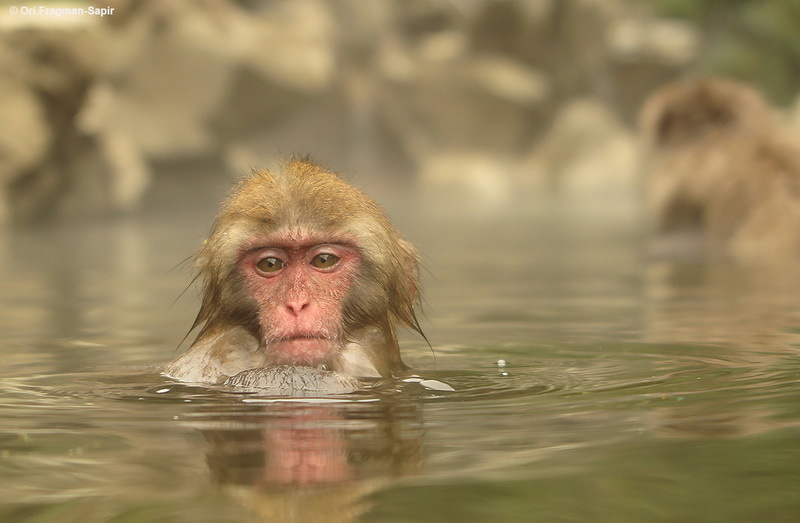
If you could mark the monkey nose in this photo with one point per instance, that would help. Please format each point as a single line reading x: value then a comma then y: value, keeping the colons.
x: 296, y: 306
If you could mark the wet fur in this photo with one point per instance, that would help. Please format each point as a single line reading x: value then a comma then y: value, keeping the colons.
x: 301, y: 196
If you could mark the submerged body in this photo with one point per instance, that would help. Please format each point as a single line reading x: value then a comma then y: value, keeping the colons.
x: 294, y: 380
x: 301, y: 269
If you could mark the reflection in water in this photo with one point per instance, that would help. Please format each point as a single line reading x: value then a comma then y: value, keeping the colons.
x: 749, y: 308
x: 71, y: 290
x: 306, y: 461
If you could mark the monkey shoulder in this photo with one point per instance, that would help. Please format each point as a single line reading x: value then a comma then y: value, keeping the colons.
x: 215, y: 357
x: 354, y: 360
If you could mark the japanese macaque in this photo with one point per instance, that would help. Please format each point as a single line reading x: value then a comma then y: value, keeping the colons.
x: 301, y: 272
x: 720, y: 169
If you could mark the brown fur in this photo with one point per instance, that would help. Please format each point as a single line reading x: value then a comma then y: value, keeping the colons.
x: 718, y: 165
x: 301, y: 196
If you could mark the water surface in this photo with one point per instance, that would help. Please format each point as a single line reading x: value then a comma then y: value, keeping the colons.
x: 591, y: 383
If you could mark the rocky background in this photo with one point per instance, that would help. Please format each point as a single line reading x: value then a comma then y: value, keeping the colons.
x: 472, y: 103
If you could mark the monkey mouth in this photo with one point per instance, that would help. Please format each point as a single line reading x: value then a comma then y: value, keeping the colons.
x: 311, y: 350
x: 305, y: 337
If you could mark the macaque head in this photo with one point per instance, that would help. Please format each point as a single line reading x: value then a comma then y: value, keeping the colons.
x: 703, y: 108
x: 308, y: 265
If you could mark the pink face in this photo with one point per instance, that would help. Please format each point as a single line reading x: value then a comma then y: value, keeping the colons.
x: 300, y: 283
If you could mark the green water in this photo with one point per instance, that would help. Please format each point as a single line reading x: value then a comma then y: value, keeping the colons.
x: 632, y: 389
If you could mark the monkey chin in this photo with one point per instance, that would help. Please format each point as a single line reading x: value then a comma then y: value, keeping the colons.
x: 308, y: 351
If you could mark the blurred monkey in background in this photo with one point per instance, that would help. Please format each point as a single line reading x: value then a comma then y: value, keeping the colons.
x: 720, y: 170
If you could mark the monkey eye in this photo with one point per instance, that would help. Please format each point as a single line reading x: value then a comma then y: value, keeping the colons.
x: 270, y: 264
x: 324, y: 261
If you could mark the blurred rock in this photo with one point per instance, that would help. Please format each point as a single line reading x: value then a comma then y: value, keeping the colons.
x: 25, y: 134
x: 419, y: 89
x: 615, y: 50
x: 185, y: 78
x: 91, y: 106
x: 522, y: 96
x: 166, y: 68
x: 667, y: 41
x: 60, y: 170
x: 484, y: 104
x: 461, y: 179
x: 647, y: 52
x: 587, y: 149
x: 587, y: 157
